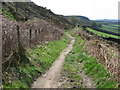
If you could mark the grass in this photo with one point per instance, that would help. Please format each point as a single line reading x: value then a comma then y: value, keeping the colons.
x: 8, y: 15
x: 40, y: 59
x: 91, y: 67
x: 71, y: 67
x: 111, y: 28
x: 98, y: 73
x: 105, y: 35
x: 115, y: 25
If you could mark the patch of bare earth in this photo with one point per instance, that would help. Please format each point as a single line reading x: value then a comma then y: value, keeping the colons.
x: 87, y: 81
x: 84, y: 82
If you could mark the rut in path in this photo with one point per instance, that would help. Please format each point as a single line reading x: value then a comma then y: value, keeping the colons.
x: 51, y: 78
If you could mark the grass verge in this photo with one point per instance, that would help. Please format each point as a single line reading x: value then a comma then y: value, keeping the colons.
x: 91, y: 67
x: 40, y: 59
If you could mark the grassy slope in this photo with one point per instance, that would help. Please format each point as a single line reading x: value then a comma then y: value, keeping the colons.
x: 92, y: 68
x: 23, y: 11
x: 40, y: 59
x: 103, y: 34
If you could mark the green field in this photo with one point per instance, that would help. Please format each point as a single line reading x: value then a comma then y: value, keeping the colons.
x: 105, y: 35
x: 112, y: 28
x: 109, y: 26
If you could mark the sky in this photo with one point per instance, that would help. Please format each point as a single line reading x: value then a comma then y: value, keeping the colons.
x: 93, y: 9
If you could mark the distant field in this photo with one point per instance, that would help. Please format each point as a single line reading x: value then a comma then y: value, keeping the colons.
x: 105, y: 35
x: 115, y: 25
x: 110, y: 26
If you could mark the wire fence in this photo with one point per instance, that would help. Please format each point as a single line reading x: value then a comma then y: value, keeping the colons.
x: 27, y: 34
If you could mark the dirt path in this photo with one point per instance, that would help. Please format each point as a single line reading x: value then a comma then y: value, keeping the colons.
x: 51, y: 78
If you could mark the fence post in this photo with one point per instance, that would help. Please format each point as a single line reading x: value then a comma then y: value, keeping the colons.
x: 30, y: 36
x: 1, y: 52
x: 18, y: 34
x: 35, y: 36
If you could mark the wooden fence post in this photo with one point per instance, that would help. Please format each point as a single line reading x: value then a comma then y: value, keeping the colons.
x: 1, y: 51
x: 18, y: 34
x: 30, y: 36
x: 35, y: 36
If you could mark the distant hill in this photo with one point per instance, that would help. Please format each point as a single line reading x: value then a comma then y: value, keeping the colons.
x: 107, y: 20
x: 78, y: 20
x: 23, y: 11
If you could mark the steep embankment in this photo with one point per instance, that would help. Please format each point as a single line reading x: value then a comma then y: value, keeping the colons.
x: 26, y: 34
x: 23, y: 11
x: 26, y: 25
x: 106, y: 52
x: 90, y: 63
x: 35, y: 63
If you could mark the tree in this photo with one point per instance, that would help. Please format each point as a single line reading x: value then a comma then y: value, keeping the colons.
x: 94, y: 25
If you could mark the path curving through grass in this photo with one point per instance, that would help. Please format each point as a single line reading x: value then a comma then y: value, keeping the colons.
x: 51, y: 78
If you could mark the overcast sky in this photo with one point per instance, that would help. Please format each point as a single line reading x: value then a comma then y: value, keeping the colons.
x: 93, y: 9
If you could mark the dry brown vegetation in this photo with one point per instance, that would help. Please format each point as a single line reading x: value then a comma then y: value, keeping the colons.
x: 18, y: 34
x: 107, y: 53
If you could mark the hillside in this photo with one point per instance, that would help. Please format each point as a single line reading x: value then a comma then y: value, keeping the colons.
x: 78, y: 20
x: 24, y: 26
x: 43, y: 50
x: 107, y: 29
x: 23, y: 11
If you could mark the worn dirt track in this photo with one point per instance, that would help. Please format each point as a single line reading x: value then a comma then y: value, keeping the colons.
x: 51, y: 78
